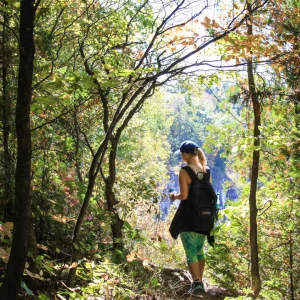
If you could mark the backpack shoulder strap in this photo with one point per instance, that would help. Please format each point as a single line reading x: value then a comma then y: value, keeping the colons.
x: 190, y: 172
x: 208, y: 173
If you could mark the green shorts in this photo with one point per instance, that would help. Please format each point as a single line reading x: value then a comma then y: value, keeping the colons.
x: 193, y: 244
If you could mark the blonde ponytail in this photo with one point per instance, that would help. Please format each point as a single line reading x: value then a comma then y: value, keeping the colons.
x: 202, y: 158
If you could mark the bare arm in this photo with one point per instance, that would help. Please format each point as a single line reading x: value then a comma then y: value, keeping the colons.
x: 184, y: 186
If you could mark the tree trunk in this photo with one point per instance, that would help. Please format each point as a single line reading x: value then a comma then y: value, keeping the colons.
x: 8, y: 196
x: 76, y: 234
x: 111, y: 200
x: 255, y: 277
x: 117, y: 223
x: 22, y: 208
x: 76, y: 237
x: 93, y: 172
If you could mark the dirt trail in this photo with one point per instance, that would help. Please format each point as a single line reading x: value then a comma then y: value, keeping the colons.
x: 176, y: 283
x: 211, y: 292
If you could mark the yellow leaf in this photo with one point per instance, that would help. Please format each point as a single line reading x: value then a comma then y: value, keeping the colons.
x: 281, y: 157
x: 40, y: 246
x: 9, y: 225
x: 4, y: 254
x: 130, y: 257
x: 146, y: 265
x: 60, y: 218
x: 106, y: 260
x: 29, y: 273
x: 237, y: 60
x: 6, y: 229
x: 32, y: 275
x: 207, y: 20
x: 215, y: 24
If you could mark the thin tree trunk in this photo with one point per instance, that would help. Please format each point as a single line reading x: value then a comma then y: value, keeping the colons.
x: 255, y: 277
x: 6, y: 128
x: 76, y: 237
x: 117, y: 223
x: 15, y: 267
x: 93, y: 172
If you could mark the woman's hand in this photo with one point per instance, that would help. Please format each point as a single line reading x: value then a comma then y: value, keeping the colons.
x: 173, y: 196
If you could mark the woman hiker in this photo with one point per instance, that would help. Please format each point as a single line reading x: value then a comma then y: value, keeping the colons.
x: 193, y: 242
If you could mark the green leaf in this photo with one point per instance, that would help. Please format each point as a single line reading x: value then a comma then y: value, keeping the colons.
x: 62, y: 70
x: 45, y: 99
x: 127, y: 226
x: 26, y: 288
x: 109, y: 83
x: 42, y: 297
x: 124, y: 73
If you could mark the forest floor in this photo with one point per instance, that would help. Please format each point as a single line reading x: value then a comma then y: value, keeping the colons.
x: 171, y: 284
x: 174, y: 285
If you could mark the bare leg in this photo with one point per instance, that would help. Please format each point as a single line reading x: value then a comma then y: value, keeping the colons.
x: 195, y: 270
x: 201, y: 264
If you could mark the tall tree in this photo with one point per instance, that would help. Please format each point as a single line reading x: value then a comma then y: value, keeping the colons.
x: 256, y: 285
x: 22, y: 208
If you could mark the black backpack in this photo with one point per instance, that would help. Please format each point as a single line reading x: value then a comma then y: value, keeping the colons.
x: 198, y: 212
x: 202, y: 202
